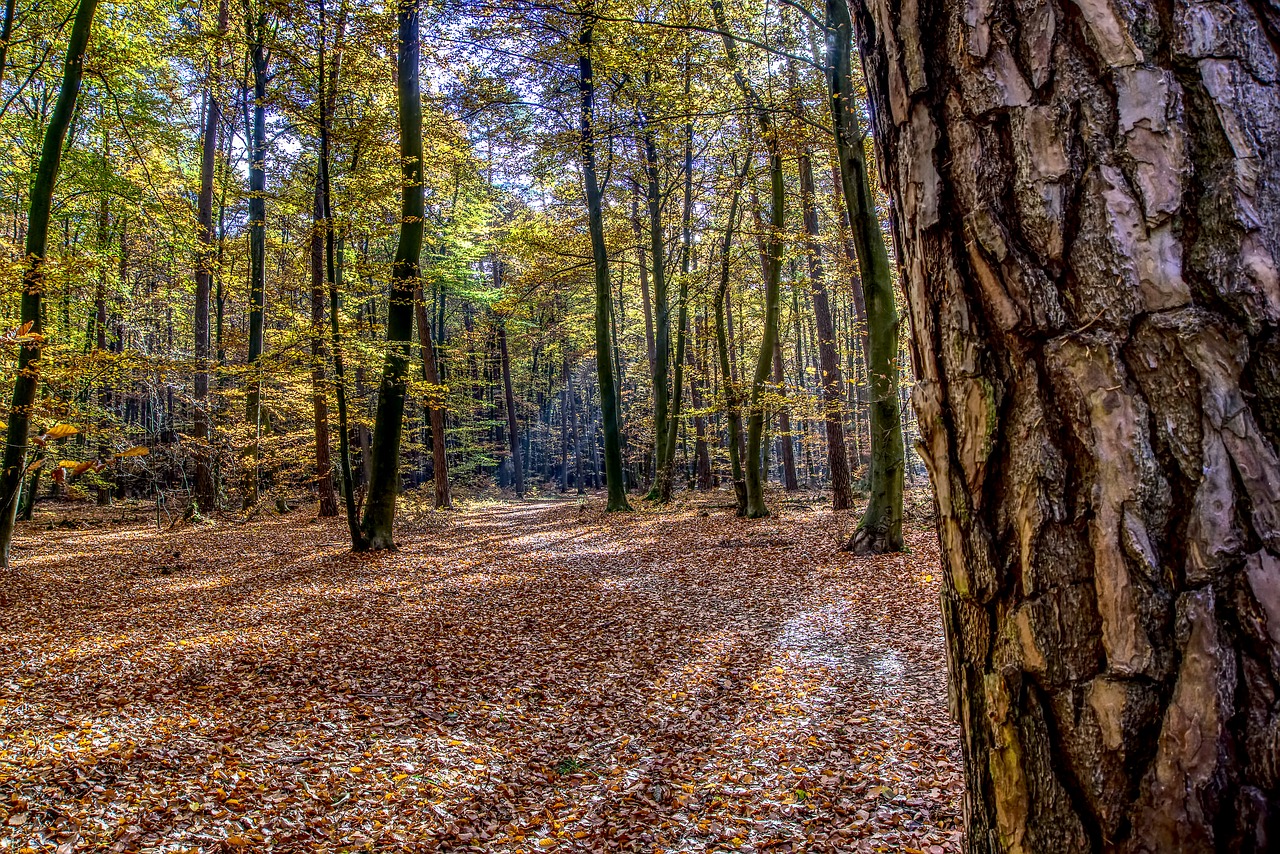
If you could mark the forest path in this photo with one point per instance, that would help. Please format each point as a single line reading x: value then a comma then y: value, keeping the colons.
x: 516, y: 677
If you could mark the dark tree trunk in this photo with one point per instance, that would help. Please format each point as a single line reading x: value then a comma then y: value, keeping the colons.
x: 384, y: 478
x: 880, y: 529
x: 319, y: 394
x: 256, y: 32
x: 755, y: 469
x: 789, y: 480
x: 830, y: 378
x: 509, y: 399
x: 205, y: 253
x: 33, y: 280
x: 604, y: 293
x: 661, y: 488
x: 1089, y: 226
x: 436, y: 402
x: 724, y: 343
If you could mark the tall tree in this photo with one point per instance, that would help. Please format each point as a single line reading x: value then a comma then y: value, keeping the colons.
x: 384, y: 478
x: 1089, y: 241
x: 880, y: 529
x: 203, y: 487
x: 755, y: 475
x: 600, y: 263
x: 831, y: 379
x: 729, y: 379
x: 255, y: 22
x: 33, y: 280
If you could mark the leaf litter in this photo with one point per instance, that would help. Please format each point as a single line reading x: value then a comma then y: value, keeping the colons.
x: 534, y: 676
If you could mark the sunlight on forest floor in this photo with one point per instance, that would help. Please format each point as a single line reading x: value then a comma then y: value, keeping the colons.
x: 516, y: 677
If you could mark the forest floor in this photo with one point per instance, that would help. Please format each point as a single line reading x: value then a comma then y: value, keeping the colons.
x: 518, y: 676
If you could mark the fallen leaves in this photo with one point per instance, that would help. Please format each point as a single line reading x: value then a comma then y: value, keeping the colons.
x: 527, y: 677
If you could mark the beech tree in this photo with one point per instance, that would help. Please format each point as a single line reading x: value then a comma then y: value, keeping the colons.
x: 14, y: 465
x: 384, y: 477
x: 1085, y: 204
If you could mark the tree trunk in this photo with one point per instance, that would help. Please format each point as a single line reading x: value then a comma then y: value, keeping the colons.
x: 662, y: 310
x: 724, y: 343
x: 33, y: 279
x: 831, y: 378
x: 789, y: 480
x: 204, y: 486
x: 384, y: 478
x: 319, y: 395
x: 645, y: 300
x: 1089, y: 234
x: 436, y: 402
x: 256, y: 32
x: 509, y: 399
x: 755, y: 470
x: 880, y: 529
x: 604, y: 293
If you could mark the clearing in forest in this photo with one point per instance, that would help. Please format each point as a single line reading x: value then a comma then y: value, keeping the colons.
x: 530, y: 676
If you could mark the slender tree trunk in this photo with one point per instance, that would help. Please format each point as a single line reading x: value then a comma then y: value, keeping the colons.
x: 645, y: 300
x: 724, y: 343
x: 575, y: 417
x: 830, y: 379
x: 604, y: 292
x: 661, y: 488
x: 319, y: 395
x: 384, y: 478
x: 6, y: 29
x: 701, y: 451
x: 33, y: 280
x: 509, y: 399
x: 1089, y: 248
x: 881, y: 527
x: 436, y: 402
x: 329, y: 71
x: 755, y: 472
x: 204, y: 486
x: 789, y: 480
x: 256, y: 32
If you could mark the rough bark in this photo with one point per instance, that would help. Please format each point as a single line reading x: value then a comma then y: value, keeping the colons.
x: 1088, y: 200
x: 33, y: 280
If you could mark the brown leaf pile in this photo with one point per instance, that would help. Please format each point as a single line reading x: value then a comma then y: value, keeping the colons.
x: 517, y: 677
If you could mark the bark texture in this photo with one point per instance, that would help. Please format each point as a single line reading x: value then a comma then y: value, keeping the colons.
x: 1088, y: 196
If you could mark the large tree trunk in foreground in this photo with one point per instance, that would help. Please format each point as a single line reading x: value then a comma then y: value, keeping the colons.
x: 33, y: 279
x: 384, y: 477
x: 1089, y: 223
